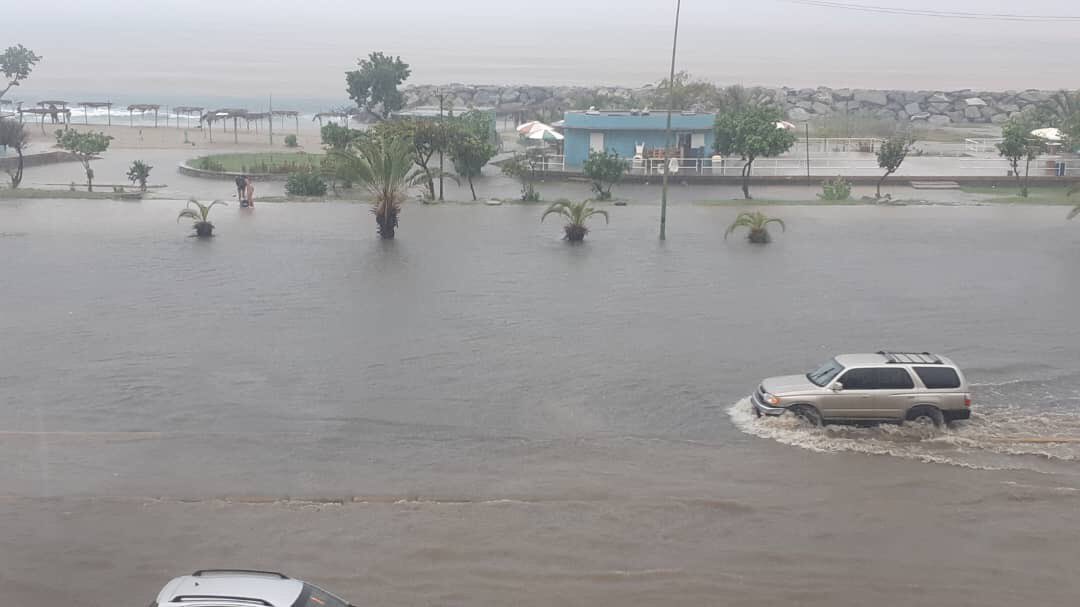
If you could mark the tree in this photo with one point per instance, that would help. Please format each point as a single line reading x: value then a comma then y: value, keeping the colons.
x: 576, y: 214
x: 526, y: 169
x: 427, y: 138
x: 1075, y: 210
x: 139, y: 173
x: 336, y: 164
x: 200, y: 215
x: 16, y: 62
x: 374, y: 85
x: 15, y: 136
x: 751, y: 134
x: 605, y: 169
x: 470, y: 153
x: 685, y: 94
x: 891, y: 155
x: 84, y: 146
x: 757, y: 222
x: 1017, y: 143
x: 384, y: 166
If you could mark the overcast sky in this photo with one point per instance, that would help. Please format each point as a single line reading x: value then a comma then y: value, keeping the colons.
x: 301, y: 47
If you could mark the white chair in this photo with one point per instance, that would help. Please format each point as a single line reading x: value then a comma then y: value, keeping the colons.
x: 673, y: 166
x: 638, y: 162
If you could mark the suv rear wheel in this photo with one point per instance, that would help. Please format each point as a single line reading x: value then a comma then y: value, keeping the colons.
x: 926, y: 415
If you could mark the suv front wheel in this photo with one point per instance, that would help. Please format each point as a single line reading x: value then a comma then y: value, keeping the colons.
x: 926, y: 415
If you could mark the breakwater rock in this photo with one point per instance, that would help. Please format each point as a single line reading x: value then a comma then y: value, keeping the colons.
x: 937, y: 108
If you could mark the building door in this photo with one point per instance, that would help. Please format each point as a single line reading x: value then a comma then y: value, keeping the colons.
x: 596, y: 142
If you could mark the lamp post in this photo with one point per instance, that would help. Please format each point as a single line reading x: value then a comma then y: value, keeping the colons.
x: 667, y: 130
x: 441, y: 131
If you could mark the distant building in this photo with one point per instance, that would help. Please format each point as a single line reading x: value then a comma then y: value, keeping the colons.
x: 632, y: 132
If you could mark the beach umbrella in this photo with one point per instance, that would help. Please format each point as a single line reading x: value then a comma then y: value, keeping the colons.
x: 526, y: 127
x: 787, y: 126
x: 1049, y: 134
x: 547, y: 134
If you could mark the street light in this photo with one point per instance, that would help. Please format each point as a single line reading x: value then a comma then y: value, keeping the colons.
x: 667, y: 131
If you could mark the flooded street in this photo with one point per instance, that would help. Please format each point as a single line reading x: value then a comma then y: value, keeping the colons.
x: 480, y: 414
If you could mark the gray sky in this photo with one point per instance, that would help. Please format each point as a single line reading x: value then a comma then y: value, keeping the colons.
x: 301, y: 47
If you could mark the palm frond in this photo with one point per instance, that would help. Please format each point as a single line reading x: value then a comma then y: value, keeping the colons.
x: 190, y: 214
x: 1074, y: 212
x: 592, y: 212
x: 783, y: 228
x: 557, y: 208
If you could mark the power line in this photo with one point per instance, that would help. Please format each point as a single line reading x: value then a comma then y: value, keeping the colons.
x: 915, y: 12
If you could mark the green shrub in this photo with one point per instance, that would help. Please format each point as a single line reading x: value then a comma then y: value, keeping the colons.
x: 207, y: 163
x: 290, y: 141
x: 306, y: 183
x: 835, y: 189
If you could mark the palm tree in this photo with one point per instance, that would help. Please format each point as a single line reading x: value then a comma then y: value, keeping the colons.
x: 385, y: 168
x: 203, y: 227
x: 576, y: 215
x: 139, y: 173
x: 757, y: 222
x: 14, y: 136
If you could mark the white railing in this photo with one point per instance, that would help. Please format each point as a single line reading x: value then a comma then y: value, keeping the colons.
x: 978, y: 146
x: 826, y: 145
x: 549, y: 162
x: 827, y: 167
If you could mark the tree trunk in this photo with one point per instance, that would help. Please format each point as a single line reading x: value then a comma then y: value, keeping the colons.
x: 89, y: 176
x: 472, y: 189
x: 746, y: 180
x: 881, y: 181
x: 16, y: 179
x: 1027, y: 172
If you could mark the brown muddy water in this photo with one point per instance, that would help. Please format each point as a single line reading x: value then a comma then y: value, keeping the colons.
x: 481, y: 414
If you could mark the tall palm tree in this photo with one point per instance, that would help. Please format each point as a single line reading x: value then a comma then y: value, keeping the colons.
x: 384, y: 167
x: 757, y: 222
x: 576, y: 214
x: 202, y: 225
x: 15, y: 136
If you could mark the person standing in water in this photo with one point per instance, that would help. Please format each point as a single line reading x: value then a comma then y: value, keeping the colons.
x: 249, y: 192
x: 241, y: 184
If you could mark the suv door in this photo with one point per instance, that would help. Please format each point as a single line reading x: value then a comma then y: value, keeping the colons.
x: 893, y: 393
x: 852, y: 401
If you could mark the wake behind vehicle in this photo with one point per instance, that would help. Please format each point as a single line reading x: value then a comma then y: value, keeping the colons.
x: 883, y: 387
x: 243, y: 588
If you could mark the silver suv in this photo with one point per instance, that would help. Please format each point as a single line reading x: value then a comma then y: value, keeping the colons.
x: 243, y: 588
x: 871, y: 388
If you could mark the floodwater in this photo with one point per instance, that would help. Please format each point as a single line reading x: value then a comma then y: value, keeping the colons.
x: 481, y: 414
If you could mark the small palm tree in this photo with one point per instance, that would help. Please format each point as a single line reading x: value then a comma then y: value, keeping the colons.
x: 576, y: 215
x: 139, y: 173
x: 384, y: 167
x: 757, y: 222
x: 203, y: 227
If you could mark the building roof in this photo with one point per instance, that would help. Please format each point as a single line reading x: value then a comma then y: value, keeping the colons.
x: 633, y: 120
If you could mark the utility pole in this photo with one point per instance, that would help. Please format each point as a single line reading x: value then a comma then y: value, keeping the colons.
x: 667, y: 131
x: 442, y: 143
x: 271, y: 121
x: 807, y: 152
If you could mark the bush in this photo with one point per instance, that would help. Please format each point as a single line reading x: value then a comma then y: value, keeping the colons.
x: 207, y: 163
x: 305, y: 184
x: 835, y: 189
x: 605, y: 169
x: 290, y: 141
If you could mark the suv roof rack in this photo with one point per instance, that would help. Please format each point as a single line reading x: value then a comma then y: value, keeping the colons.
x: 911, y: 358
x: 276, y: 574
x: 220, y: 597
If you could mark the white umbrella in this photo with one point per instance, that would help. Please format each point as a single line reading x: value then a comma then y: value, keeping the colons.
x: 544, y: 134
x: 1049, y: 134
x: 784, y: 124
x: 526, y: 127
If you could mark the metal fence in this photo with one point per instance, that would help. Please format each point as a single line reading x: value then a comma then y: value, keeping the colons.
x: 825, y: 166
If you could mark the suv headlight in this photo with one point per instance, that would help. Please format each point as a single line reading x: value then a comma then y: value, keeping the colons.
x: 771, y: 399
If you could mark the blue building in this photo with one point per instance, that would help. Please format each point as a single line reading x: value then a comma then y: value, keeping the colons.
x: 633, y: 133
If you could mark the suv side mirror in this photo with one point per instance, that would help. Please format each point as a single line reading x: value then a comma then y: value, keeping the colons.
x: 837, y: 387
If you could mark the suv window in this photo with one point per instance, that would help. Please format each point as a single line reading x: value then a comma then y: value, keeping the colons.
x: 313, y: 596
x: 877, y: 379
x: 938, y: 378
